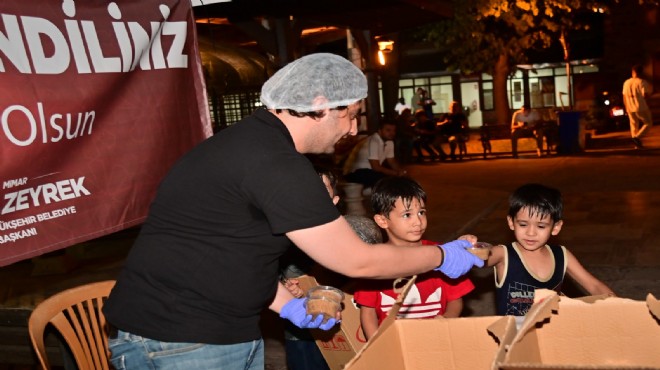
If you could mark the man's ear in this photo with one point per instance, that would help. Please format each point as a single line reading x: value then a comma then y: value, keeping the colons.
x: 381, y: 221
x: 556, y: 228
x: 335, y: 199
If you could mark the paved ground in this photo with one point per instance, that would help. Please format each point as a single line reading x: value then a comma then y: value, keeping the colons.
x: 612, y: 219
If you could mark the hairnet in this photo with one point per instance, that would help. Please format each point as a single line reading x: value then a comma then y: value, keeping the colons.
x: 326, y: 75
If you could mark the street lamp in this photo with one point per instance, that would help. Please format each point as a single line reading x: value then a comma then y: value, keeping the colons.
x: 384, y: 46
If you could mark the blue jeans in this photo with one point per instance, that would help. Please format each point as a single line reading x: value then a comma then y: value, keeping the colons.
x: 131, y: 351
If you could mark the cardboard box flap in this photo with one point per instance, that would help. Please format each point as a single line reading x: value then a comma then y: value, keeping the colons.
x: 392, y: 314
x: 654, y: 305
x: 501, y: 329
x: 590, y: 333
x: 505, y: 331
x: 401, y: 295
x: 545, y: 301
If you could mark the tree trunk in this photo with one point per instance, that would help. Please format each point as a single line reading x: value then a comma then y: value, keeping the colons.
x: 500, y: 94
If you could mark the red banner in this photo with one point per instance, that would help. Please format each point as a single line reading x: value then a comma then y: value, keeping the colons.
x: 97, y: 100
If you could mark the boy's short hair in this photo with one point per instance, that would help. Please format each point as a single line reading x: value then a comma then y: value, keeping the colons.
x: 323, y: 165
x: 366, y: 228
x: 538, y: 199
x: 388, y: 189
x: 329, y: 173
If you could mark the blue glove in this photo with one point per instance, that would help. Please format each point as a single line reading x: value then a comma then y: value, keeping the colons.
x: 457, y: 261
x: 296, y: 312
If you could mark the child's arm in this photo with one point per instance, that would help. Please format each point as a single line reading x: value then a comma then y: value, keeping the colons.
x: 454, y: 308
x: 369, y: 321
x: 583, y: 277
x: 293, y: 286
x: 496, y: 256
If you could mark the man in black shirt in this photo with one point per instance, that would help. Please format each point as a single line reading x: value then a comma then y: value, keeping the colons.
x: 206, y: 261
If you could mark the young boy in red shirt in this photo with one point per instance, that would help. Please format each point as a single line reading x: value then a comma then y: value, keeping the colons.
x: 399, y: 204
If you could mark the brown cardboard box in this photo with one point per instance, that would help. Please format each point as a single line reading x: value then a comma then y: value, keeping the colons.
x: 607, y: 333
x: 339, y: 345
x: 435, y: 344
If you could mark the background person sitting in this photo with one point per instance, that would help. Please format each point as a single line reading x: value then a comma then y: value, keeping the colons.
x: 524, y: 124
x: 405, y: 136
x: 454, y: 128
x: 400, y: 106
x: 426, y: 132
x: 375, y: 159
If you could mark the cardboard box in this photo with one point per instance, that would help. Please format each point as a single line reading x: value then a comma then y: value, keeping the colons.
x: 435, y: 344
x: 339, y: 345
x: 607, y: 333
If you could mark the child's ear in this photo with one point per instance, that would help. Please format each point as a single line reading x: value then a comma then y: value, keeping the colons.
x: 335, y: 199
x: 509, y: 220
x: 556, y: 228
x: 381, y: 221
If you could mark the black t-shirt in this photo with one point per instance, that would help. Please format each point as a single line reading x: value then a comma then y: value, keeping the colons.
x: 455, y: 125
x: 206, y: 261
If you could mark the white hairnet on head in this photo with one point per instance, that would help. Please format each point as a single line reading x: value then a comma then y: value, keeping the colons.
x: 325, y: 75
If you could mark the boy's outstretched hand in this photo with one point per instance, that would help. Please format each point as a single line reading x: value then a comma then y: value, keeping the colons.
x: 296, y: 312
x: 456, y: 260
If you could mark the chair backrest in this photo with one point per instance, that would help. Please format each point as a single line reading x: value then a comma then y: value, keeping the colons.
x: 77, y: 316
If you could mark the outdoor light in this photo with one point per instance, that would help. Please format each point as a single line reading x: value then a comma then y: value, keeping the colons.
x: 384, y: 46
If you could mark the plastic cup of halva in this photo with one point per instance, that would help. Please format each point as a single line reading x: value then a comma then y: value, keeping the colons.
x: 324, y: 300
x: 481, y: 250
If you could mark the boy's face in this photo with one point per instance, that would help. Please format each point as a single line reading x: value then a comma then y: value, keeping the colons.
x: 533, y: 231
x: 405, y: 224
x: 331, y: 191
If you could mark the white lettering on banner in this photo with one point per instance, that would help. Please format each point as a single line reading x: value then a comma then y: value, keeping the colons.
x: 14, y: 182
x: 29, y: 220
x: 12, y: 237
x: 16, y: 116
x: 56, y: 213
x: 22, y: 42
x: 47, y: 193
x: 19, y: 222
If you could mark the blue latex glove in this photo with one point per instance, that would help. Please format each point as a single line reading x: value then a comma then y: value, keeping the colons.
x: 457, y: 261
x: 296, y: 312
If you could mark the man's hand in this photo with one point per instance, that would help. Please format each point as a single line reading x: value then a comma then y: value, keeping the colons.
x: 456, y: 260
x: 295, y: 311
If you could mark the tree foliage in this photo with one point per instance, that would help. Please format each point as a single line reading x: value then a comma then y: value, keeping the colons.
x: 493, y: 36
x: 482, y: 31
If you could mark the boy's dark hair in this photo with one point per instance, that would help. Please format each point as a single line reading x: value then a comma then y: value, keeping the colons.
x: 328, y: 172
x: 538, y: 199
x: 323, y: 165
x: 388, y: 189
x: 638, y: 69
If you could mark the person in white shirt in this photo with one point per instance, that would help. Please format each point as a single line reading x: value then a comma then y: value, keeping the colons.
x: 524, y: 123
x: 401, y: 106
x: 375, y: 158
x: 635, y: 91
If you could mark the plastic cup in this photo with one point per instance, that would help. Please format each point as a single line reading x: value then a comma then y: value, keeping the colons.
x: 324, y: 300
x: 481, y: 250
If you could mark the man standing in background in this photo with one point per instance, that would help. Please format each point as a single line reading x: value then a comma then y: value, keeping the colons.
x: 635, y: 91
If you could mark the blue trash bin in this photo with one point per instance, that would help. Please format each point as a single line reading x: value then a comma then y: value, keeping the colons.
x: 569, y: 132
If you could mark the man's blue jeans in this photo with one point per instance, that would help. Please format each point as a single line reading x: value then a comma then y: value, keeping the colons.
x: 131, y: 351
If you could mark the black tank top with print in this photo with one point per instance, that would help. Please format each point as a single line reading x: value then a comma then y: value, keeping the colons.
x: 516, y: 294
